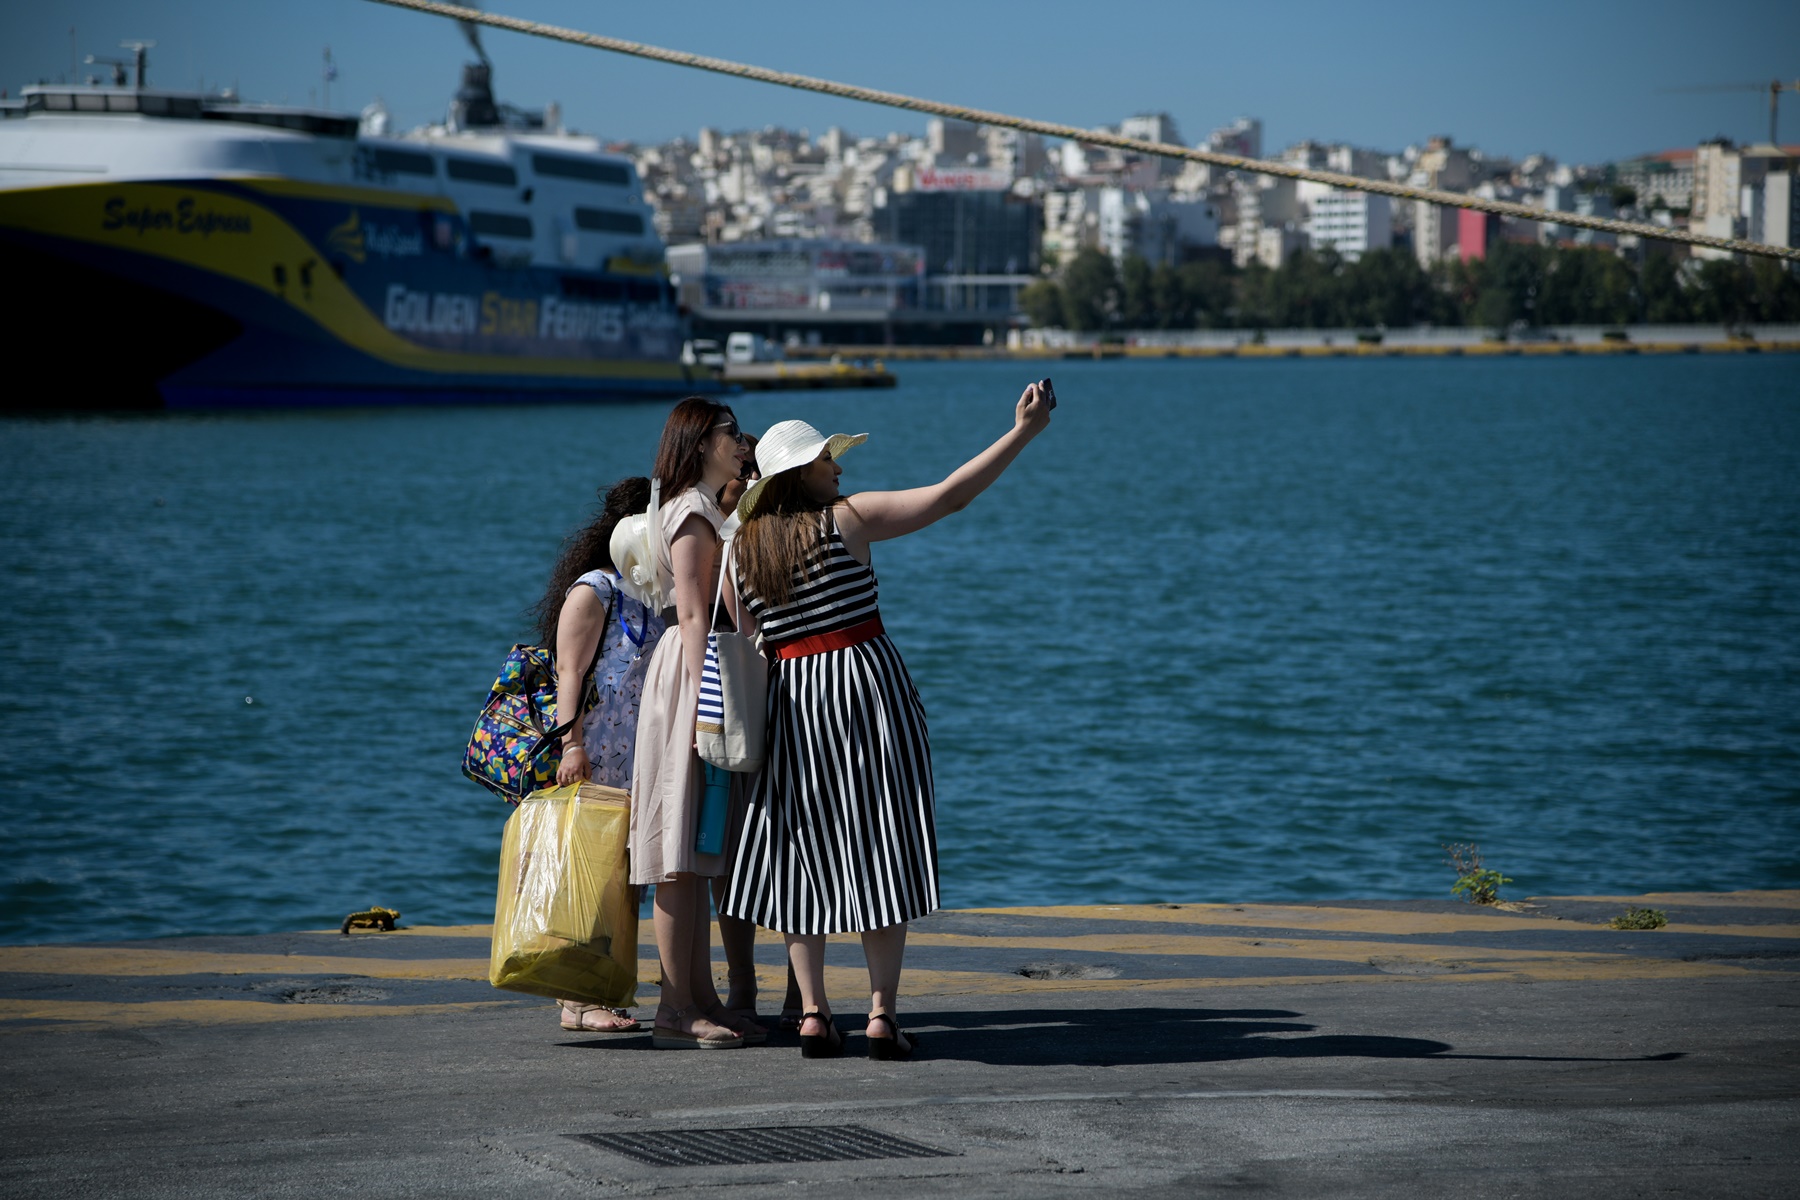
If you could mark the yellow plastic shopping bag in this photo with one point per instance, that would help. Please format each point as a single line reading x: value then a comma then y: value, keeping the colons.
x: 565, y: 922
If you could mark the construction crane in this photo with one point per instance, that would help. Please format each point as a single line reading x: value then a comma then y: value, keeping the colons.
x: 1774, y: 88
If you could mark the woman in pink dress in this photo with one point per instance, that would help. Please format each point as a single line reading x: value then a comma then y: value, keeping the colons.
x: 701, y: 451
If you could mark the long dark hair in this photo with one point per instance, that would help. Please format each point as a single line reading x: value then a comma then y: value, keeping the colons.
x: 588, y: 549
x: 783, y: 539
x: 678, y: 462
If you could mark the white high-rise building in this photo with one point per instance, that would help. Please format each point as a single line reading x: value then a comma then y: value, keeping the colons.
x: 1155, y: 127
x: 1151, y: 127
x: 1352, y: 223
x: 1243, y: 137
x: 1153, y: 225
x: 955, y: 143
x: 1718, y: 208
x: 1447, y: 167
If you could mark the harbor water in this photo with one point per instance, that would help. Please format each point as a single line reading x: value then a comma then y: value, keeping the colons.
x: 1228, y: 631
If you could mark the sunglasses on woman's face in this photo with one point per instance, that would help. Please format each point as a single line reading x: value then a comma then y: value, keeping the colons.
x: 730, y: 429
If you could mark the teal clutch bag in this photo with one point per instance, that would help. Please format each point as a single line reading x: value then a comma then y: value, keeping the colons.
x: 715, y: 807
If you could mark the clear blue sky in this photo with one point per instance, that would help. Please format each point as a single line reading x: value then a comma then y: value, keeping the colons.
x: 1577, y: 79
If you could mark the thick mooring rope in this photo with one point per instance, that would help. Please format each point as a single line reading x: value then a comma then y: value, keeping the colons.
x: 1257, y: 166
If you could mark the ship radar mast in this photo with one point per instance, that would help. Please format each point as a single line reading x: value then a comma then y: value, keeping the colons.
x: 140, y: 59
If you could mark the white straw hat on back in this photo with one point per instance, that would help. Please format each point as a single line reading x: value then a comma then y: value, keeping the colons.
x: 788, y: 446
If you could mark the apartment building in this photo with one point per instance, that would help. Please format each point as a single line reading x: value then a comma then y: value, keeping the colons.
x: 1352, y: 223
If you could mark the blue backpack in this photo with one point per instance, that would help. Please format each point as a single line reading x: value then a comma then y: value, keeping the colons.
x: 514, y: 749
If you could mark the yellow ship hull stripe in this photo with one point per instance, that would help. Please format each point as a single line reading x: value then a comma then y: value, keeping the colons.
x: 251, y: 241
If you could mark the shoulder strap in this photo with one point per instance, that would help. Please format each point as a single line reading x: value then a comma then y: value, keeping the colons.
x: 587, y: 676
x: 727, y: 566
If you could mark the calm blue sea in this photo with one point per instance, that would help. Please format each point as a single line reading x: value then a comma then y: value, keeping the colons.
x: 1228, y: 631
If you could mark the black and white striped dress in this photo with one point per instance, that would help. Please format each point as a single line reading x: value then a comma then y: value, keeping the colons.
x: 838, y: 834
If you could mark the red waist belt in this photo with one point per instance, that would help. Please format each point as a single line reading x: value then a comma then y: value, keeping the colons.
x: 837, y: 639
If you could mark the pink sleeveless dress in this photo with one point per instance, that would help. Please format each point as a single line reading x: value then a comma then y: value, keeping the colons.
x: 665, y: 779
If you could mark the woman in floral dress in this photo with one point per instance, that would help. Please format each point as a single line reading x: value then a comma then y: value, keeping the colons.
x: 584, y: 609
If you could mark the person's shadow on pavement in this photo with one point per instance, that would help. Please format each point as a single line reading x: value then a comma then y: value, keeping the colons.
x: 1143, y: 1036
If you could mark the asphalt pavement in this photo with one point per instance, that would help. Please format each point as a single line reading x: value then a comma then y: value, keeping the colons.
x: 1344, y: 1049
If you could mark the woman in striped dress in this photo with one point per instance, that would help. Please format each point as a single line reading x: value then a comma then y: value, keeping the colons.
x: 838, y: 834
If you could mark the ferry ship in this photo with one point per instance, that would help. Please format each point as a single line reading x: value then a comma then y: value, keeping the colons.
x: 163, y: 249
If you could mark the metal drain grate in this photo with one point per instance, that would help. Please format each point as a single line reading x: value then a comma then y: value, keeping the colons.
x: 781, y: 1144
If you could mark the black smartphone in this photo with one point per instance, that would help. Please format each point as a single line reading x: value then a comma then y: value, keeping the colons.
x: 1049, y: 391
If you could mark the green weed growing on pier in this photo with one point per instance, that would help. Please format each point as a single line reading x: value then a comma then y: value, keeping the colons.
x: 1639, y: 918
x: 1481, y: 885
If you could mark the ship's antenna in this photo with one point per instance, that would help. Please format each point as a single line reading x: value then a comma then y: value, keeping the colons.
x: 1258, y: 166
x: 472, y: 31
x: 141, y: 58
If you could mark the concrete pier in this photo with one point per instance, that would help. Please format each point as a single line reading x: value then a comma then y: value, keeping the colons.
x: 1343, y: 1049
x: 808, y: 376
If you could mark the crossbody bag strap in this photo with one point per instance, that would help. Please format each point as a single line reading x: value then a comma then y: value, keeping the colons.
x: 599, y: 648
x: 725, y: 564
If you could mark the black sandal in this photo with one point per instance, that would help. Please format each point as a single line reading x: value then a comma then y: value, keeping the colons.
x: 827, y: 1045
x: 888, y: 1049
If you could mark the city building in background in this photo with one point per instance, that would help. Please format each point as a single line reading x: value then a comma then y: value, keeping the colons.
x: 980, y: 239
x: 1658, y: 181
x: 991, y: 210
x: 1745, y: 192
x: 1449, y: 168
x: 1152, y: 224
x: 816, y: 289
x: 1352, y: 223
x: 1155, y: 127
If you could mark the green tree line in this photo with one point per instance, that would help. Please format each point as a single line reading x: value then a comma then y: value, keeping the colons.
x: 1319, y: 289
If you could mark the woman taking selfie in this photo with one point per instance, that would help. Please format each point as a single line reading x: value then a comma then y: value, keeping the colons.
x: 839, y: 833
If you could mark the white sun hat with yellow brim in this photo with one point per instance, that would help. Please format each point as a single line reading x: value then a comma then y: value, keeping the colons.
x: 788, y: 446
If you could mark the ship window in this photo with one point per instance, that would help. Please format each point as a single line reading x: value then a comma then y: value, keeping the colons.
x: 606, y: 220
x: 473, y: 170
x: 306, y: 122
x: 169, y: 106
x: 401, y: 162
x: 581, y: 168
x: 500, y: 224
x: 647, y: 293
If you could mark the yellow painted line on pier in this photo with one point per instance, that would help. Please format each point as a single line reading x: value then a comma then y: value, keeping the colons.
x: 85, y: 1015
x: 128, y: 961
x: 1748, y: 931
x: 1411, y: 969
x: 1335, y: 920
x: 1767, y: 898
x: 1318, y: 949
x: 1389, y: 921
x: 963, y: 983
x: 1372, y: 954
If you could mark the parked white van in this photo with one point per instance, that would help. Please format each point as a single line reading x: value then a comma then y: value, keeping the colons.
x: 750, y: 348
